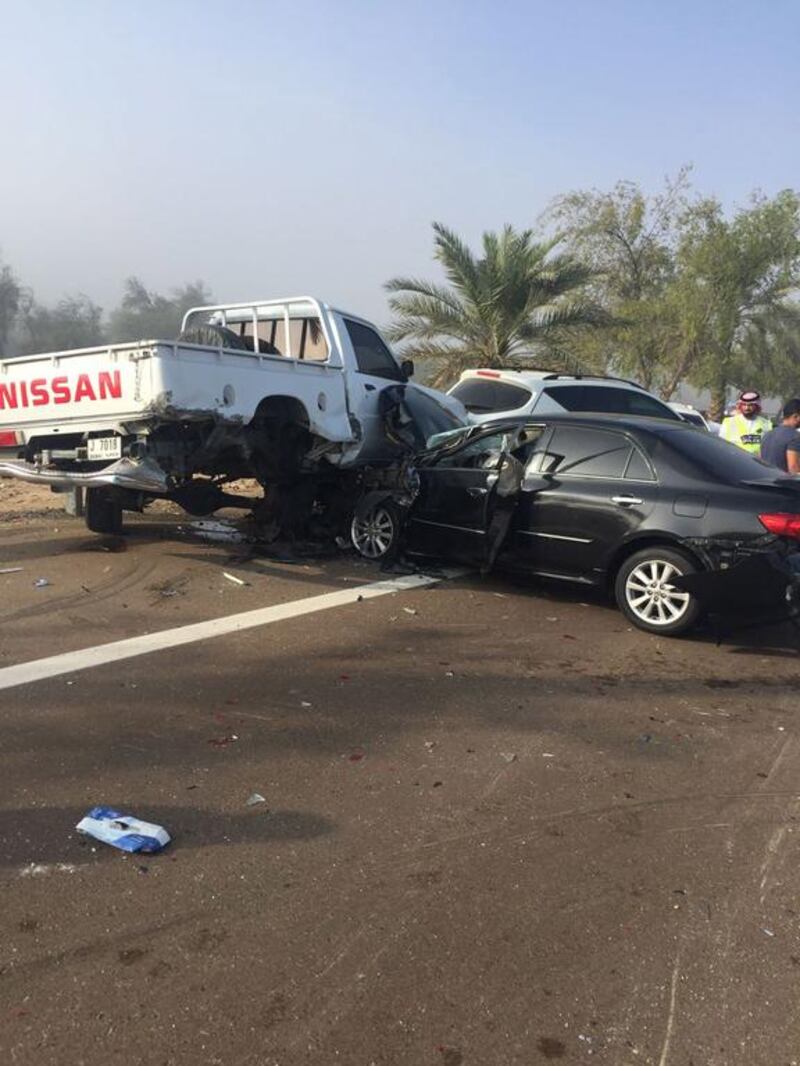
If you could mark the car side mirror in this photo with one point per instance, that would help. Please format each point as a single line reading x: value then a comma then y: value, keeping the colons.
x: 407, y: 369
x: 535, y: 482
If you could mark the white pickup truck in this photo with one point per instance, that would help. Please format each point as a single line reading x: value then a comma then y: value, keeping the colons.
x: 287, y: 391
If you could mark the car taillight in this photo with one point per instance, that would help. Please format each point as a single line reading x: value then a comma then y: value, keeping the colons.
x: 9, y: 439
x: 488, y: 373
x: 782, y: 525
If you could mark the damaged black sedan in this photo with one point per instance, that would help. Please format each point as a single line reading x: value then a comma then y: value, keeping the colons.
x: 634, y: 505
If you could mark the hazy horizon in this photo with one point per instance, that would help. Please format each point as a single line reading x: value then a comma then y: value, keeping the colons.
x: 274, y: 151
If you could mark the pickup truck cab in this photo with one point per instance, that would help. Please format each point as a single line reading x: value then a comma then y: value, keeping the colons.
x: 267, y: 389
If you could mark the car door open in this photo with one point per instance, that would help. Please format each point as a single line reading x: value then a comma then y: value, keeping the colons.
x: 465, y: 494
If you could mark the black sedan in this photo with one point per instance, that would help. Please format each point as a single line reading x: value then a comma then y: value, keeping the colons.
x: 630, y: 504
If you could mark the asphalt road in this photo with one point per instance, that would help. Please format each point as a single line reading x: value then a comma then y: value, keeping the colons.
x: 499, y: 827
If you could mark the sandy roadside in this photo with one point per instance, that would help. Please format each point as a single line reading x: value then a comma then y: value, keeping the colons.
x: 20, y: 500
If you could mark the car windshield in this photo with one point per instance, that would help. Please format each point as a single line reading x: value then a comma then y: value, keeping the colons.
x: 723, y: 461
x: 480, y: 396
x: 413, y: 416
x: 430, y: 416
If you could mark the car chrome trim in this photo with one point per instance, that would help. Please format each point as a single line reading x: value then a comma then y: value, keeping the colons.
x: 556, y: 536
x: 446, y: 525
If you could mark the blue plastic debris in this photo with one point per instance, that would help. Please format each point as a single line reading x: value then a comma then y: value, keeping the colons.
x: 123, y: 830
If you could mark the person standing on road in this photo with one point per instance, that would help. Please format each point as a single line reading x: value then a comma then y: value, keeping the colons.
x: 747, y: 426
x: 781, y: 446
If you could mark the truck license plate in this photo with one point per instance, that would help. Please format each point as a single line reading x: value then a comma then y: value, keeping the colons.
x: 104, y: 448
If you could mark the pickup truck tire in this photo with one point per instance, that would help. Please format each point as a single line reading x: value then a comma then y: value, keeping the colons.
x: 376, y: 533
x: 279, y: 450
x: 103, y: 511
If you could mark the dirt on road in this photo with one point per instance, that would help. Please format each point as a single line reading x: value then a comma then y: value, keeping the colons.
x: 499, y: 828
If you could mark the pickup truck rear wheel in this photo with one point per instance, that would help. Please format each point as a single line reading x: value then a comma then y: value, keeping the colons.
x: 103, y: 511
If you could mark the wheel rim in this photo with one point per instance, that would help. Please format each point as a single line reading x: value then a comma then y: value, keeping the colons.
x: 651, y: 597
x: 372, y: 535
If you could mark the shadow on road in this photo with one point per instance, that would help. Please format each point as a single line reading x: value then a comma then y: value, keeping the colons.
x: 44, y: 835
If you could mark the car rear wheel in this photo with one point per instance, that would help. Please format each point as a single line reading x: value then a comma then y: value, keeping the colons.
x: 646, y: 596
x: 376, y: 534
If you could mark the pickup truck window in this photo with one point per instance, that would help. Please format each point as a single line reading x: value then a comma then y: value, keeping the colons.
x: 372, y: 355
x: 308, y: 339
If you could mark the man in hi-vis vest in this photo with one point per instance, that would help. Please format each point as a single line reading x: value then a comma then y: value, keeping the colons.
x: 748, y: 425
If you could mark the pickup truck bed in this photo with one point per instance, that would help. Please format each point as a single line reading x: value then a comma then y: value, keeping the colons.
x: 273, y: 390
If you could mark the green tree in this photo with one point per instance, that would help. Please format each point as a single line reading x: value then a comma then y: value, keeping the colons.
x: 152, y: 316
x: 735, y: 295
x: 74, y: 322
x: 629, y: 241
x: 518, y: 301
x: 10, y: 296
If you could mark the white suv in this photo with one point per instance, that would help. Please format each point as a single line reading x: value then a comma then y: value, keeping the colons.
x: 488, y: 394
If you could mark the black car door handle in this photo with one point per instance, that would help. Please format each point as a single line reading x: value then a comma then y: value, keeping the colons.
x: 626, y: 501
x: 477, y: 490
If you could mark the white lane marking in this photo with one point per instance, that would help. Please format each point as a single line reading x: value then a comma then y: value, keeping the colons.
x: 102, y: 654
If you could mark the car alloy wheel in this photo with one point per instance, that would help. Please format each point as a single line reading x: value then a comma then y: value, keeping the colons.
x: 646, y: 595
x: 374, y: 535
x: 651, y: 597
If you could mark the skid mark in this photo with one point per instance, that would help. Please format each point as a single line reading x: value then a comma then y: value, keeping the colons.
x: 671, y: 1013
x: 772, y: 849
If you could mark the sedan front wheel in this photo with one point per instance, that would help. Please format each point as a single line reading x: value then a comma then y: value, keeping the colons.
x: 646, y: 596
x: 376, y: 534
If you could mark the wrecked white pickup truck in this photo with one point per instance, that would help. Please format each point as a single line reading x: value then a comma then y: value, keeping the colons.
x: 306, y: 399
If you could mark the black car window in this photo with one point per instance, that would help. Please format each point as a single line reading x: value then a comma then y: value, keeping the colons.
x: 578, y: 451
x: 638, y: 468
x: 372, y: 355
x: 609, y: 399
x: 723, y: 461
x: 481, y: 454
x: 483, y: 396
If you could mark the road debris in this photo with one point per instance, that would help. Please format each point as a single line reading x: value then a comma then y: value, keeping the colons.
x: 215, y: 530
x: 11, y: 570
x: 508, y: 756
x: 232, y: 577
x: 41, y: 583
x: 255, y: 799
x: 123, y: 831
x: 410, y: 610
x: 768, y: 932
x: 222, y: 742
x: 41, y: 869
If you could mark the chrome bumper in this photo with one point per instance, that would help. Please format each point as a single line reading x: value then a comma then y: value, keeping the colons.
x: 141, y: 476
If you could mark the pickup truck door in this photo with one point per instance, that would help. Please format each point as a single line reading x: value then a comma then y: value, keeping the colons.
x: 374, y: 368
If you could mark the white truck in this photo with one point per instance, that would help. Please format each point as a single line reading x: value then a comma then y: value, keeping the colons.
x: 289, y: 391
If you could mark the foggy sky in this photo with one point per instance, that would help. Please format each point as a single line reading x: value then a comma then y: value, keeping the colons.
x: 276, y: 149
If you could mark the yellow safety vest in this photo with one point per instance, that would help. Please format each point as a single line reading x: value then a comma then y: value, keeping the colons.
x: 746, y: 432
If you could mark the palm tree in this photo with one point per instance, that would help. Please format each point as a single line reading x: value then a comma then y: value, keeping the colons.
x: 516, y: 302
